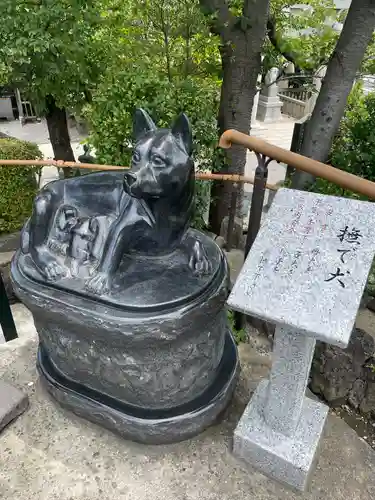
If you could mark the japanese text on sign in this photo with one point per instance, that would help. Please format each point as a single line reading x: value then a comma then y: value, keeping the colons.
x: 349, y: 239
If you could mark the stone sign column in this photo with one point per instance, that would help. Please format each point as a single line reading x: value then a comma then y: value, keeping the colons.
x: 306, y: 273
x: 293, y: 355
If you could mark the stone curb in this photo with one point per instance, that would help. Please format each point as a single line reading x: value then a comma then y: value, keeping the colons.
x: 13, y: 403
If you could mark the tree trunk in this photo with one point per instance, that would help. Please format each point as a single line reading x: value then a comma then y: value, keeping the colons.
x: 58, y: 133
x: 337, y: 84
x: 242, y: 41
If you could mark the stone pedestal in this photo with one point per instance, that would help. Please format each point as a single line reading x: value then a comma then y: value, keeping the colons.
x: 305, y: 273
x: 269, y: 109
x: 269, y: 104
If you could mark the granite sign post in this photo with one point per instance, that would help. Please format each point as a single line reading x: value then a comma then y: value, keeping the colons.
x: 306, y: 273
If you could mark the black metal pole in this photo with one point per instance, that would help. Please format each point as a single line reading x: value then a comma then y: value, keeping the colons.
x: 257, y: 200
x: 256, y: 209
x: 232, y: 215
x: 6, y: 317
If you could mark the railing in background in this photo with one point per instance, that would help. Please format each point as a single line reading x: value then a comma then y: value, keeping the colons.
x: 368, y: 83
x: 296, y: 102
x: 26, y: 109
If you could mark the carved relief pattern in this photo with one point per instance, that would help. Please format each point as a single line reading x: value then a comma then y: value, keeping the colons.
x: 162, y: 375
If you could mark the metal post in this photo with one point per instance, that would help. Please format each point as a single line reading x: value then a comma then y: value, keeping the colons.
x: 257, y: 200
x: 19, y: 105
x: 6, y: 317
x: 232, y: 215
x: 256, y: 209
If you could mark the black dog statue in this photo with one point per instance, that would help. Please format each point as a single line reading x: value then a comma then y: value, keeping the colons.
x: 127, y: 299
x: 84, y: 226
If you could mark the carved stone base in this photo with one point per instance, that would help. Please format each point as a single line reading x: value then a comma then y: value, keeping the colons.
x: 146, y: 426
x: 269, y: 109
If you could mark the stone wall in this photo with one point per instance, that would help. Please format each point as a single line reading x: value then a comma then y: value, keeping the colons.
x: 346, y: 376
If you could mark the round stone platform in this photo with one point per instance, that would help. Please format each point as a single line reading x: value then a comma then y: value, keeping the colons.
x: 141, y: 425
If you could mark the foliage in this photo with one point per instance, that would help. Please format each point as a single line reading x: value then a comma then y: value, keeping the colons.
x: 353, y: 149
x: 304, y: 34
x: 111, y: 113
x: 368, y: 63
x: 178, y: 34
x: 163, y: 58
x: 170, y: 36
x: 18, y: 184
x: 49, y: 47
x: 239, y: 335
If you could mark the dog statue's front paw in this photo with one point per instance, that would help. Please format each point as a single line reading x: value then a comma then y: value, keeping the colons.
x: 54, y: 271
x: 99, y: 284
x: 198, y: 261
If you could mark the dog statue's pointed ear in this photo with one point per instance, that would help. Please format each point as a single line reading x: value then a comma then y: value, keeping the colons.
x: 142, y: 123
x: 181, y: 129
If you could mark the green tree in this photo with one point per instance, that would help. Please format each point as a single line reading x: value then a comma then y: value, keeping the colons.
x: 169, y: 36
x: 47, y: 49
x: 241, y: 27
x: 342, y: 70
x: 163, y: 58
x: 305, y: 37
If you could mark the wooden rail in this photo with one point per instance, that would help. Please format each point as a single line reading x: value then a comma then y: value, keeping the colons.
x: 299, y: 162
x: 94, y: 166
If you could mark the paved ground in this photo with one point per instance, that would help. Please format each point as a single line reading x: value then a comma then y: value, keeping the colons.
x: 280, y: 134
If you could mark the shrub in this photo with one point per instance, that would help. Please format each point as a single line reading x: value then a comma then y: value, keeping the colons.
x: 353, y: 149
x: 18, y: 184
x: 111, y: 117
x: 239, y: 335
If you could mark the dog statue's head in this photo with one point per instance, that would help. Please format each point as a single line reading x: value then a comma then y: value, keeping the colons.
x: 161, y: 165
